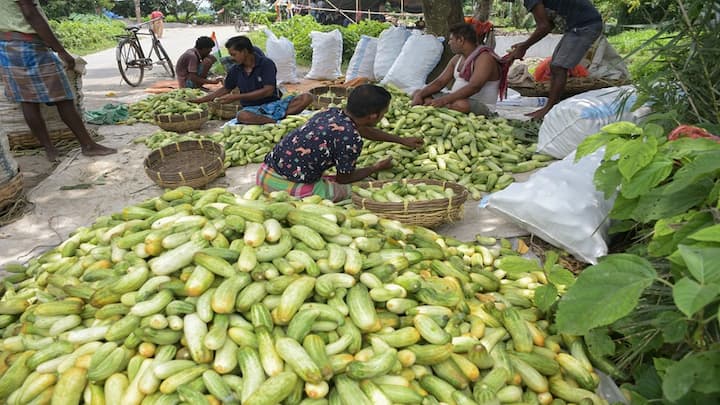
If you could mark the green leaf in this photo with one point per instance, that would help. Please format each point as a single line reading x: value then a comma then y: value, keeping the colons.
x: 517, y: 264
x: 604, y: 293
x: 653, y: 130
x: 622, y: 128
x: 607, y: 177
x: 690, y: 297
x: 673, y: 325
x: 559, y: 275
x: 647, y: 177
x: 696, y: 372
x: 702, y: 262
x: 635, y: 155
x: 684, y: 147
x: 675, y: 230
x: 551, y: 257
x: 591, y: 144
x: 545, y: 297
x: 659, y: 204
x: 621, y: 226
x: 599, y: 343
x: 614, y: 147
x: 624, y: 208
x: 705, y: 164
x: 709, y: 234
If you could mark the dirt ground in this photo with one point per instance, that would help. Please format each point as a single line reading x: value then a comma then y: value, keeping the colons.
x: 74, y: 192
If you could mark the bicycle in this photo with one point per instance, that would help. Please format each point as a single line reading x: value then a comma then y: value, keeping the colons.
x: 240, y: 24
x: 131, y: 58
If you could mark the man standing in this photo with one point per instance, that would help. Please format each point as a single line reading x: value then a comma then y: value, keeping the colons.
x: 157, y: 23
x: 255, y: 76
x: 33, y: 74
x: 583, y: 26
x: 477, y: 73
x: 193, y: 66
x: 331, y: 138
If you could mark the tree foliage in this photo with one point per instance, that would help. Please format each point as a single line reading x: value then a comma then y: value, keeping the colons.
x: 56, y: 9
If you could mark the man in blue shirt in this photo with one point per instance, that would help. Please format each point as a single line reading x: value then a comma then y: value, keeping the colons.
x: 583, y: 26
x: 255, y: 76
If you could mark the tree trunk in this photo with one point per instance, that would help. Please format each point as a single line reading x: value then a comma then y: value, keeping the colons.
x: 482, y: 11
x: 440, y: 15
x: 138, y: 13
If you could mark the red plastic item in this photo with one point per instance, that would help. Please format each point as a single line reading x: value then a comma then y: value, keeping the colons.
x: 542, y: 71
x: 690, y: 131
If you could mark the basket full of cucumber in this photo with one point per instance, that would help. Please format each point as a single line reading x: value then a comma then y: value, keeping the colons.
x: 424, y: 202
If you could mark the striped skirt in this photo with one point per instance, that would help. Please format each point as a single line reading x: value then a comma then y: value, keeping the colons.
x: 326, y: 187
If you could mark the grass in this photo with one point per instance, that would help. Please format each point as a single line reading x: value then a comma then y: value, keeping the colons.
x: 638, y: 48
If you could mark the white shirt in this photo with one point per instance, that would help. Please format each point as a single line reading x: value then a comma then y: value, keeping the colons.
x: 487, y: 95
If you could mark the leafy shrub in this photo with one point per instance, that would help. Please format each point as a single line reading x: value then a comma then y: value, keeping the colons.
x: 83, y: 33
x: 261, y: 17
x: 637, y: 47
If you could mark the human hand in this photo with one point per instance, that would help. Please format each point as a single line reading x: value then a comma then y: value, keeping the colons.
x: 438, y: 102
x: 517, y: 51
x: 224, y: 99
x: 416, y: 100
x: 67, y: 59
x: 216, y: 81
x: 384, y: 164
x: 413, y: 142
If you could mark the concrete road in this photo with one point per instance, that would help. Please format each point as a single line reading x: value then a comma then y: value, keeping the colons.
x: 103, y: 76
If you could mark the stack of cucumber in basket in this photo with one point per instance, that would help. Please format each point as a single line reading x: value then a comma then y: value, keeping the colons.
x: 404, y: 192
x: 207, y: 297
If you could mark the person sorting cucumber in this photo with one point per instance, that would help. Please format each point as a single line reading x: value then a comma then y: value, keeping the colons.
x: 331, y: 138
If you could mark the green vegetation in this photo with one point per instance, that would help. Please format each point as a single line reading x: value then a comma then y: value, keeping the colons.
x: 637, y: 47
x: 83, y: 34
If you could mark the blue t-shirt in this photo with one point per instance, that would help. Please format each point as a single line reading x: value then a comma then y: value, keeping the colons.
x: 330, y: 138
x: 577, y: 13
x: 263, y: 74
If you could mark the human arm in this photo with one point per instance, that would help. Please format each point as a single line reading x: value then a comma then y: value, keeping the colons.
x: 264, y: 92
x: 375, y: 134
x: 199, y: 80
x: 486, y: 68
x: 219, y: 93
x: 543, y: 26
x: 33, y: 16
x: 363, y: 172
x: 436, y: 85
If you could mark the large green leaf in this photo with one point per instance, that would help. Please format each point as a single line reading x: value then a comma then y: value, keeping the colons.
x: 607, y: 177
x: 545, y: 296
x: 697, y: 372
x: 660, y: 204
x: 614, y: 148
x: 591, y: 144
x: 654, y: 130
x: 635, y: 155
x: 517, y: 264
x: 709, y: 234
x: 690, y: 297
x: 675, y: 231
x: 702, y: 262
x: 624, y: 208
x: 673, y: 324
x: 559, y: 275
x: 706, y: 163
x: 599, y: 343
x: 604, y: 293
x: 647, y: 177
x: 685, y: 147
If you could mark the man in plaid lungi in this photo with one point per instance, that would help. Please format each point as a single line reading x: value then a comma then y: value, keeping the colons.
x: 33, y: 74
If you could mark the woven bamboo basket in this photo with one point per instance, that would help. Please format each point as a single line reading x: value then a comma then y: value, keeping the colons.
x: 575, y: 85
x: 323, y: 96
x: 192, y: 163
x: 26, y: 140
x: 427, y: 213
x: 224, y: 111
x: 10, y: 191
x: 182, y: 122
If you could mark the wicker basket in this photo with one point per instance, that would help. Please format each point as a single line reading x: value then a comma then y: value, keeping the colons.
x: 10, y: 191
x: 224, y: 111
x: 187, y: 163
x: 323, y: 96
x: 26, y: 140
x: 427, y: 213
x: 182, y: 122
x: 575, y: 85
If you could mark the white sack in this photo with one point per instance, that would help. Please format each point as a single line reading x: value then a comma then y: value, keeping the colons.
x: 419, y: 56
x: 572, y: 120
x: 282, y: 52
x: 327, y: 55
x: 362, y: 62
x: 390, y: 43
x: 560, y: 204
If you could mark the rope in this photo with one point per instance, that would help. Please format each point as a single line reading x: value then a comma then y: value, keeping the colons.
x: 16, y: 210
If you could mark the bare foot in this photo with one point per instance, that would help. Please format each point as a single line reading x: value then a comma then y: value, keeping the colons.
x: 97, y: 150
x: 52, y: 154
x: 537, y: 115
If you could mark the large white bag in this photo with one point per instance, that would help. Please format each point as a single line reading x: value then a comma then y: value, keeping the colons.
x: 560, y: 204
x: 390, y: 43
x: 419, y: 56
x: 362, y: 61
x: 282, y: 52
x: 327, y: 55
x: 572, y: 120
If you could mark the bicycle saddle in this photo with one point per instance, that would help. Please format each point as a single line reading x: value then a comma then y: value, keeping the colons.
x: 134, y: 28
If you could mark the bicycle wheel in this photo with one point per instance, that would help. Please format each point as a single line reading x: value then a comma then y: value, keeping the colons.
x: 239, y: 24
x: 129, y: 62
x: 164, y: 59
